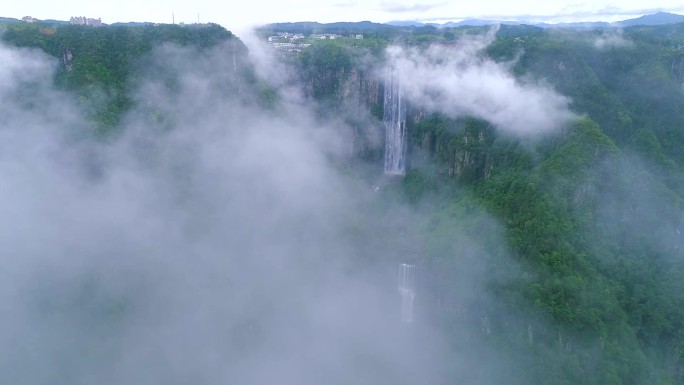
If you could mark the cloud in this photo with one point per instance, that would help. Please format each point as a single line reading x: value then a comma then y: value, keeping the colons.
x: 612, y: 39
x: 211, y: 242
x: 459, y: 81
x: 218, y: 241
x: 632, y: 202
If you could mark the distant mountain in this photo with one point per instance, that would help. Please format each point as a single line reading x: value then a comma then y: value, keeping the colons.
x: 481, y: 22
x: 654, y: 19
x: 327, y: 26
x: 309, y: 27
x: 48, y: 21
x: 584, y: 24
x: 451, y: 24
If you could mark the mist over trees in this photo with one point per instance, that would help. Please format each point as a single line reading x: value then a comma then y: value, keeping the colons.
x: 177, y: 207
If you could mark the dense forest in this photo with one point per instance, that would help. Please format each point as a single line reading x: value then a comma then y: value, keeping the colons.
x: 555, y: 258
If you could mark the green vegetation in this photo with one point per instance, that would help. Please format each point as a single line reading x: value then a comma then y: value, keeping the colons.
x: 98, y: 64
x: 593, y: 216
x: 579, y: 235
x: 588, y: 280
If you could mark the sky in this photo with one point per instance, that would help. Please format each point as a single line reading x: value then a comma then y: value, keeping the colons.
x: 237, y: 16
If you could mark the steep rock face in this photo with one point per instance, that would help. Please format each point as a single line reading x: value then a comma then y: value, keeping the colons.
x: 323, y: 70
x: 352, y: 87
x: 348, y: 91
x: 68, y: 59
x: 361, y: 94
x: 461, y: 149
x: 323, y: 85
x: 678, y: 70
x: 360, y: 88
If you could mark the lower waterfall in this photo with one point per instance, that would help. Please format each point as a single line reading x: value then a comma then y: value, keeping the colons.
x: 407, y: 290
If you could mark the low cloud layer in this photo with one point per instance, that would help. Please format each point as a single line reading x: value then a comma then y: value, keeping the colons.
x: 612, y: 39
x: 457, y: 81
x: 212, y: 242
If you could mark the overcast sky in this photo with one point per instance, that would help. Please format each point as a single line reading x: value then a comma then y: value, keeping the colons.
x: 237, y: 15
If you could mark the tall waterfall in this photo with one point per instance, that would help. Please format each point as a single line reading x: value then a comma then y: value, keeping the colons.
x: 395, y: 124
x: 407, y: 290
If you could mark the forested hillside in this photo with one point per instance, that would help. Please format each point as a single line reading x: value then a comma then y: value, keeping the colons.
x: 101, y: 66
x: 593, y: 214
x: 596, y: 213
x: 549, y: 256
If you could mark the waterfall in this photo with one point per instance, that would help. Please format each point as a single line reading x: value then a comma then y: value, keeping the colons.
x: 407, y: 290
x: 395, y: 124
